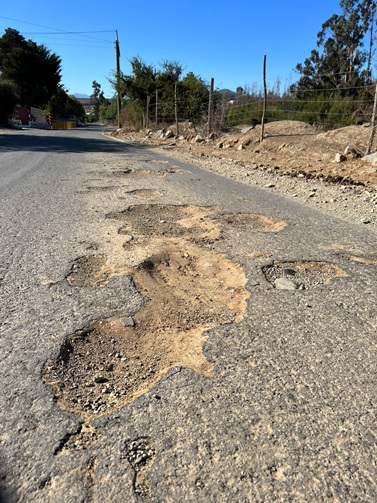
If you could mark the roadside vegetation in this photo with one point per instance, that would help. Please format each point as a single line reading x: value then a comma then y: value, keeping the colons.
x: 335, y: 85
x: 30, y: 74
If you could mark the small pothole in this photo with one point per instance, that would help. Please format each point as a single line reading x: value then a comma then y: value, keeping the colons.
x: 149, y: 194
x: 300, y: 274
x: 249, y: 221
x: 140, y: 453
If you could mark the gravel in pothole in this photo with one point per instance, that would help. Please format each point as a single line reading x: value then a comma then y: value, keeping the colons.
x: 168, y: 221
x: 302, y: 275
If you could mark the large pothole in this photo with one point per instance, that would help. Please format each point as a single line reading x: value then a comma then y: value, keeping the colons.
x: 189, y: 291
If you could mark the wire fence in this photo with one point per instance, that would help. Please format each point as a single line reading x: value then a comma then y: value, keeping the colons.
x: 323, y: 108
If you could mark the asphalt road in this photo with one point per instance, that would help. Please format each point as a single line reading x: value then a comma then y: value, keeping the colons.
x: 289, y: 412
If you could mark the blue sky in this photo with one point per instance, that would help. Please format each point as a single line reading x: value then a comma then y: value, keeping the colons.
x: 223, y: 40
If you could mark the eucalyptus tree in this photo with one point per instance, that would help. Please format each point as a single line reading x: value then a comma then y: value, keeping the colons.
x: 341, y: 63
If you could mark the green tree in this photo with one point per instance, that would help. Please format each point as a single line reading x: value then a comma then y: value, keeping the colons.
x: 168, y: 78
x: 8, y: 99
x: 339, y: 63
x: 97, y: 98
x: 194, y: 96
x: 33, y: 68
x: 137, y: 89
x: 63, y: 106
x: 108, y: 111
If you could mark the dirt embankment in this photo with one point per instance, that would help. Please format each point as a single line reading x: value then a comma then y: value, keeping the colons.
x: 289, y: 147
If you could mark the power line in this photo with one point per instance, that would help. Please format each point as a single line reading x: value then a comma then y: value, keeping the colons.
x: 83, y: 34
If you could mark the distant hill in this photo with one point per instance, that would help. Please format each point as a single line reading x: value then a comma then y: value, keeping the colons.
x: 79, y: 95
x: 227, y: 92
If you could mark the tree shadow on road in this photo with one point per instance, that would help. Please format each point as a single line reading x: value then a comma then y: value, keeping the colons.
x: 55, y: 142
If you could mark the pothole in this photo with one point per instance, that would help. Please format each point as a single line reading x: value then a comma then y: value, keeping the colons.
x: 168, y: 221
x: 140, y: 453
x: 189, y: 291
x: 141, y: 173
x: 122, y: 172
x: 302, y: 275
x: 248, y: 221
x: 151, y: 195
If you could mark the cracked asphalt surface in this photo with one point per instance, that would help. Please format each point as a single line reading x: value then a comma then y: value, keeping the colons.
x: 280, y: 403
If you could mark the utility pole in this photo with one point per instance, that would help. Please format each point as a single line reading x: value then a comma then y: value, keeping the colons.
x: 117, y: 54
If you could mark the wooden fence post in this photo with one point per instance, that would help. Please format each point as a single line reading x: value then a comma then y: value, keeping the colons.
x: 176, y: 108
x: 210, y: 106
x: 372, y: 124
x: 264, y: 100
x: 156, y: 107
x: 147, y: 112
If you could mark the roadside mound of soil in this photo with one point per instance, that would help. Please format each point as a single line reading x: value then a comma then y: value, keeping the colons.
x: 290, y: 147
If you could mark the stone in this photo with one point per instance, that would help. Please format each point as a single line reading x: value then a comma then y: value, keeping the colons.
x: 127, y: 238
x: 285, y: 284
x: 372, y: 158
x: 340, y: 157
x: 351, y: 151
x: 198, y: 139
x: 169, y: 134
x: 127, y: 321
x: 100, y: 379
x: 247, y: 129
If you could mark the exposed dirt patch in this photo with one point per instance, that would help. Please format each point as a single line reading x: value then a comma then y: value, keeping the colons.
x: 189, y: 291
x: 94, y: 270
x: 150, y: 195
x: 246, y: 221
x: 302, y: 275
x: 168, y: 221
